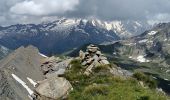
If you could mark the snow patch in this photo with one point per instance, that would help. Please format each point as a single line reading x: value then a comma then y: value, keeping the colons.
x: 143, y: 41
x: 114, y: 53
x: 43, y: 55
x: 138, y: 24
x: 69, y: 22
x: 152, y: 33
x: 93, y: 23
x: 154, y: 77
x: 85, y: 21
x: 108, y: 26
x: 22, y: 83
x: 130, y: 57
x: 160, y: 90
x: 166, y: 79
x: 141, y: 58
x: 117, y: 25
x: 32, y: 81
x: 99, y: 22
x: 130, y: 44
x: 167, y: 71
x: 165, y: 39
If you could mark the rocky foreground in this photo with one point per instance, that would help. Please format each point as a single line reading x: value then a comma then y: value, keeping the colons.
x: 26, y: 74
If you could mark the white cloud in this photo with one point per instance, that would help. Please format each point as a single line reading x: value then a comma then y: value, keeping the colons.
x: 36, y: 11
x: 162, y: 16
x: 43, y: 7
x: 158, y: 18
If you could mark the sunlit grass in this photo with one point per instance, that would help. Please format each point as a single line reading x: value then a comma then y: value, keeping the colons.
x: 99, y: 86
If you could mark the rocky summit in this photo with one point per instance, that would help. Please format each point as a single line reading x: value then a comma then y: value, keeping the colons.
x: 27, y: 74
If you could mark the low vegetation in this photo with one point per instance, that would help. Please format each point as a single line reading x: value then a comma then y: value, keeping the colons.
x: 100, y: 86
x: 148, y: 80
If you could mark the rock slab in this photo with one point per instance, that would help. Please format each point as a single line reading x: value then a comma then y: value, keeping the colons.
x: 54, y: 88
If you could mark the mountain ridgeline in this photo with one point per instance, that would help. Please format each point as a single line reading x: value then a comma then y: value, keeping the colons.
x: 65, y: 34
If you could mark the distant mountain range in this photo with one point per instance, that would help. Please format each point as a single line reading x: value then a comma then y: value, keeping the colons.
x: 152, y: 46
x: 132, y: 45
x: 65, y: 34
x: 148, y: 53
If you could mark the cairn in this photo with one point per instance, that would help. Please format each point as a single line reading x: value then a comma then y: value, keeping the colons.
x: 92, y: 58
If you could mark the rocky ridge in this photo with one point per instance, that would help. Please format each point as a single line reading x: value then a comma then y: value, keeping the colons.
x: 22, y: 76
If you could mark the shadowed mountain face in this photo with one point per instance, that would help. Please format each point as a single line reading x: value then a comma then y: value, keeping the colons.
x: 64, y: 34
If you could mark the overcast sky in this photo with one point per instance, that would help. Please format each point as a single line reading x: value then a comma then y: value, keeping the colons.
x: 31, y: 11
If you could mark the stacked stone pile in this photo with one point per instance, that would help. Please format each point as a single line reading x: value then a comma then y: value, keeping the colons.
x: 92, y: 58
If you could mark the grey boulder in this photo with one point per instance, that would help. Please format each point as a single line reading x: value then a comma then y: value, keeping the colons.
x: 54, y: 88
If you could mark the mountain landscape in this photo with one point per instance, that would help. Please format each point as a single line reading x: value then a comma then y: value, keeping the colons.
x: 27, y: 74
x: 121, y: 54
x: 148, y: 52
x: 84, y: 50
x: 65, y: 34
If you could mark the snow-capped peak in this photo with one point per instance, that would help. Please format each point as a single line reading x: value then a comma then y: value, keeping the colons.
x: 121, y: 28
x: 117, y: 25
x: 93, y: 22
x: 113, y: 25
x: 68, y: 22
x: 108, y: 26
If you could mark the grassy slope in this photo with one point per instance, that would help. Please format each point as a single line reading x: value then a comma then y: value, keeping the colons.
x: 103, y: 86
x: 152, y: 68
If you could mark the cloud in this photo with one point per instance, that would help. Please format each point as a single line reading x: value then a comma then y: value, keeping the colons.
x: 121, y: 9
x: 43, y: 7
x: 28, y: 11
